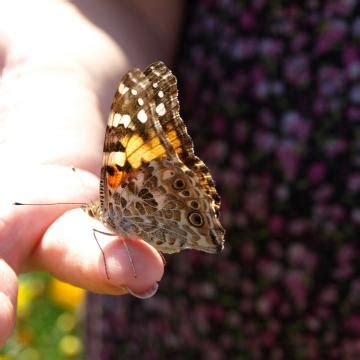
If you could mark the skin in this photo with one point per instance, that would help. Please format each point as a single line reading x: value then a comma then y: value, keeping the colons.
x: 59, y: 68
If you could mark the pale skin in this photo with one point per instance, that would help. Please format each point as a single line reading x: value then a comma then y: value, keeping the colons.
x: 60, y: 62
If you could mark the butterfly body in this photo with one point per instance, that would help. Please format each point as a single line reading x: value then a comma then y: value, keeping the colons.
x: 152, y: 185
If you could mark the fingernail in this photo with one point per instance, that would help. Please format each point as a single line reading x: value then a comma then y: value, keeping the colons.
x: 147, y: 294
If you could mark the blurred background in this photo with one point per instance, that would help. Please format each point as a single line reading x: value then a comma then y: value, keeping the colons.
x: 49, y: 320
x: 270, y: 92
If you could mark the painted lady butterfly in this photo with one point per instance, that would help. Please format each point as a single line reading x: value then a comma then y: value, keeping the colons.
x: 152, y: 185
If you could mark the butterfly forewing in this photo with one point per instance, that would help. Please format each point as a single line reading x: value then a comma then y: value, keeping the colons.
x: 164, y: 84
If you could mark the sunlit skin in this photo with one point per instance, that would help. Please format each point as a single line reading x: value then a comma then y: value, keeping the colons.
x: 59, y: 68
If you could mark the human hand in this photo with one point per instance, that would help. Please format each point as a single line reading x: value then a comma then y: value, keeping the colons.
x: 51, y: 120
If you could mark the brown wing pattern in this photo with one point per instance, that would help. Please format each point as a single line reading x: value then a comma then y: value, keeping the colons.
x: 133, y: 134
x: 164, y: 84
x: 145, y: 124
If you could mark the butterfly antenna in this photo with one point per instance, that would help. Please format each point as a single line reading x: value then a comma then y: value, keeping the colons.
x: 47, y: 204
x: 56, y: 203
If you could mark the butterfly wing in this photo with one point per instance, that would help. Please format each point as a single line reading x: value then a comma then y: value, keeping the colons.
x: 147, y: 155
x: 168, y: 109
x: 133, y: 134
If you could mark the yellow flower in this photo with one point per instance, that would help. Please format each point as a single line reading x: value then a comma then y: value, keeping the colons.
x: 25, y: 296
x: 66, y: 295
x: 66, y: 322
x: 70, y: 345
x: 29, y: 289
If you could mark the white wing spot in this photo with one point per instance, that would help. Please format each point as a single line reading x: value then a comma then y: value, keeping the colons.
x: 140, y: 101
x: 134, y: 92
x: 117, y: 157
x: 142, y: 117
x: 160, y: 94
x: 123, y: 89
x: 125, y: 120
x: 155, y: 85
x: 116, y: 120
x: 160, y: 109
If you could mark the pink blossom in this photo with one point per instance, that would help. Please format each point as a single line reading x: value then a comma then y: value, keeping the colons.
x: 300, y: 256
x: 219, y: 125
x: 276, y: 224
x: 334, y: 147
x: 266, y: 141
x: 346, y: 254
x: 288, y: 159
x: 240, y: 131
x: 298, y: 226
x: 353, y: 112
x: 275, y: 249
x: 355, y: 216
x: 331, y: 36
x: 295, y: 283
x: 247, y: 250
x: 269, y: 269
x: 255, y: 204
x: 323, y: 193
x: 352, y: 323
x: 316, y: 172
x: 350, y: 54
x: 329, y: 295
x: 297, y: 70
x: 299, y: 42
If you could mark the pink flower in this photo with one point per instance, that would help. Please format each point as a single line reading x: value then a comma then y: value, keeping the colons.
x: 269, y: 269
x: 219, y: 125
x: 298, y: 226
x: 350, y: 54
x: 300, y: 256
x: 334, y: 147
x: 299, y: 42
x: 316, y: 172
x: 276, y: 224
x: 353, y: 182
x: 297, y: 70
x: 333, y: 33
x: 353, y: 112
x: 296, y: 285
x: 288, y: 158
x: 247, y: 20
x: 323, y: 193
x: 329, y: 295
x: 247, y: 250
x: 352, y: 323
x: 266, y: 141
x: 275, y: 249
x: 240, y: 131
x: 255, y: 204
x: 355, y: 216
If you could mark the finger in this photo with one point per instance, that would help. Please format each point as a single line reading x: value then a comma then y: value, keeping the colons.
x: 22, y: 227
x: 69, y: 251
x: 8, y: 295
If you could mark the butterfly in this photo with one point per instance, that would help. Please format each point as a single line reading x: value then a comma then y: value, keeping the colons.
x: 152, y: 186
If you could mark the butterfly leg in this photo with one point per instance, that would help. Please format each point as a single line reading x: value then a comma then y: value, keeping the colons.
x: 102, y: 251
x: 162, y: 257
x: 103, y: 254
